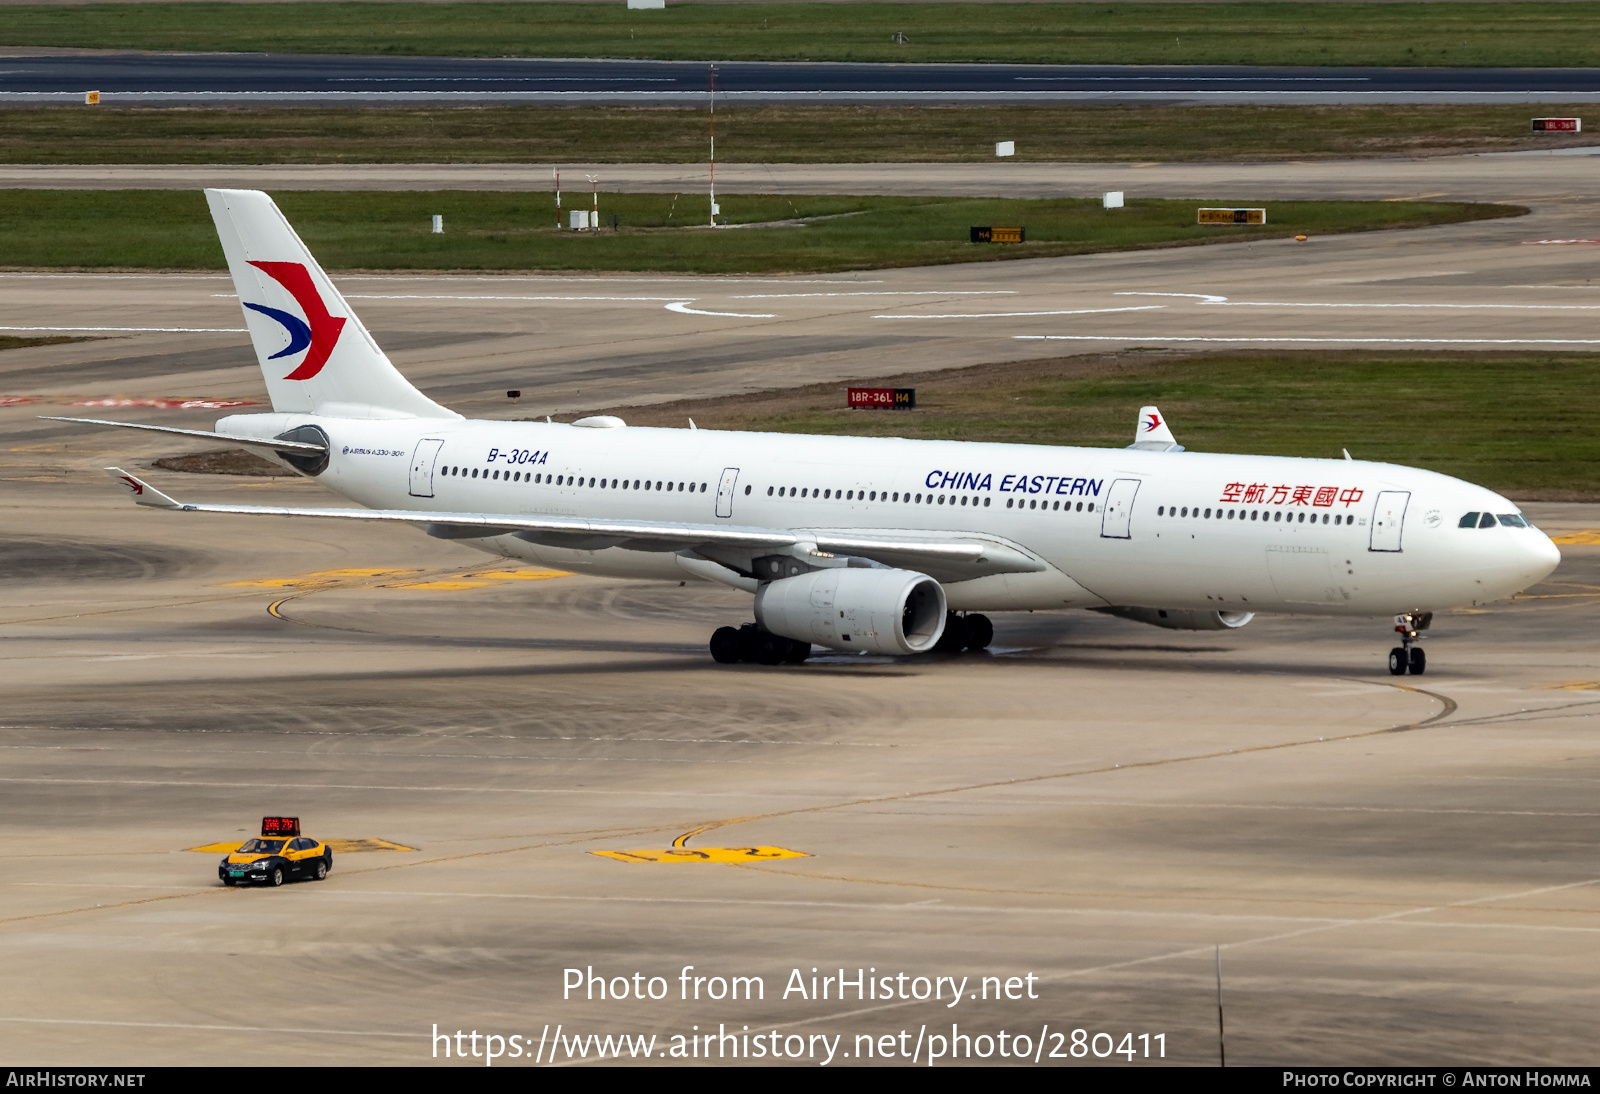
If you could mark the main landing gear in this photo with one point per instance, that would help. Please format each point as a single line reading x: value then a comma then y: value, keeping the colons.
x: 730, y: 645
x: 1407, y: 656
x: 965, y: 632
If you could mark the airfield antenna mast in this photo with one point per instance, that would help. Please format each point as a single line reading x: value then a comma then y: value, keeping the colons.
x: 711, y: 77
x: 556, y: 171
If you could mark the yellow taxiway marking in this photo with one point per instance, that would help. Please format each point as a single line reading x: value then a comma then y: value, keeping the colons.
x: 338, y: 846
x: 704, y: 854
x: 1576, y: 685
x: 320, y: 577
x: 449, y: 582
x: 1586, y: 536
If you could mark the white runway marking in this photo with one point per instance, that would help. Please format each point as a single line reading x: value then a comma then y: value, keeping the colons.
x: 881, y: 292
x: 1207, y: 297
x: 1313, y: 341
x: 374, y: 296
x: 684, y: 309
x: 141, y: 330
x: 1210, y: 300
x: 1018, y: 314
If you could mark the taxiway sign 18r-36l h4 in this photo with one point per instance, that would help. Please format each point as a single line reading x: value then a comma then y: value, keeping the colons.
x: 867, y: 544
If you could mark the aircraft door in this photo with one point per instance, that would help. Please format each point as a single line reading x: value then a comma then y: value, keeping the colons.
x: 422, y: 461
x: 1388, y: 519
x: 1117, y: 514
x: 730, y: 477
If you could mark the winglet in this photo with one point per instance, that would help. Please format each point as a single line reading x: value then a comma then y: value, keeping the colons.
x: 1152, y: 434
x: 143, y: 493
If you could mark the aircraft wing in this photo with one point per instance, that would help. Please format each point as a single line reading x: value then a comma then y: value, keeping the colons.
x: 955, y: 557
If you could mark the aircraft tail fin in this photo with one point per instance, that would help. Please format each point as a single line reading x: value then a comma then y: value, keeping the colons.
x: 1152, y: 433
x: 316, y: 356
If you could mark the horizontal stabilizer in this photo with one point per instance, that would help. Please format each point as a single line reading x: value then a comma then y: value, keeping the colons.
x: 143, y: 493
x: 231, y: 438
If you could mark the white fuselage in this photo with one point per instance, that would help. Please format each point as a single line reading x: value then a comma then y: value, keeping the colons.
x: 1170, y: 530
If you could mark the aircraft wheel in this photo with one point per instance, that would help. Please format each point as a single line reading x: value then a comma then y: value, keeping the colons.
x: 771, y: 649
x: 798, y: 652
x: 1398, y: 661
x: 981, y: 632
x: 955, y: 636
x: 1419, y: 661
x: 725, y: 646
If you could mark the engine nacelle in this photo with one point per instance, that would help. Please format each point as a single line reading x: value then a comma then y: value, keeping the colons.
x: 1175, y: 620
x: 879, y: 611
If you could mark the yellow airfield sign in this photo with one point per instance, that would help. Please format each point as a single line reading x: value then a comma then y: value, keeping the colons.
x: 1233, y: 216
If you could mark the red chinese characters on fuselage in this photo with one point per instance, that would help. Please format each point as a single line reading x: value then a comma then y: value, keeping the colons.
x: 1260, y: 493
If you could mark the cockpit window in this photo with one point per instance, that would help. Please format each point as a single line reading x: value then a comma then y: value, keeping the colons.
x: 1486, y: 521
x: 1513, y: 520
x: 1469, y: 521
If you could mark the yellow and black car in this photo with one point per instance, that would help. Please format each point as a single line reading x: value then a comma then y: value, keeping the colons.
x: 275, y: 859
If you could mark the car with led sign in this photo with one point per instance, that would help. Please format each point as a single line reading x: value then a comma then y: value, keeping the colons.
x: 278, y: 855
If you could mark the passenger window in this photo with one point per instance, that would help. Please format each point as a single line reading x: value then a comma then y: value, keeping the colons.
x: 986, y: 503
x: 1469, y: 521
x: 1487, y: 521
x: 1091, y: 507
x: 746, y: 491
x: 1010, y: 502
x: 1161, y: 510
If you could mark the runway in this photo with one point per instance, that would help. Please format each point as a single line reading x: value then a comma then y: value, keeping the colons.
x: 197, y: 78
x: 1397, y: 871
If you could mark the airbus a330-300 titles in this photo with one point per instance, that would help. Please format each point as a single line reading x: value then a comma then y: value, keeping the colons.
x: 881, y: 545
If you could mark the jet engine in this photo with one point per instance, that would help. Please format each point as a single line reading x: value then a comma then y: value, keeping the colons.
x: 876, y: 610
x: 1174, y: 620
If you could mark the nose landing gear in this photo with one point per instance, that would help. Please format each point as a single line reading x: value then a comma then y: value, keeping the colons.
x: 1407, y: 656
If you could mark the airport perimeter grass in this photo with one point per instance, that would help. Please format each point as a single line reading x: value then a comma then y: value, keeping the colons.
x: 760, y: 134
x: 663, y: 232
x: 1519, y: 423
x: 1517, y: 34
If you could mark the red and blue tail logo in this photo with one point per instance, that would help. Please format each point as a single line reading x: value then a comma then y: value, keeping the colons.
x: 316, y: 334
x: 1152, y: 422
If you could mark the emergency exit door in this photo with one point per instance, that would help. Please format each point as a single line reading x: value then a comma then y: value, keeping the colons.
x: 422, y: 461
x: 1117, y: 513
x: 1388, y: 519
x: 730, y: 477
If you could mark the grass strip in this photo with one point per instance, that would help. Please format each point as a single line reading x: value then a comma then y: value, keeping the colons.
x: 1494, y: 34
x: 661, y: 232
x: 1517, y: 423
x: 761, y: 134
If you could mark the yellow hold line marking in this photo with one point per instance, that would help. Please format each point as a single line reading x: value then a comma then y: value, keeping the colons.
x: 704, y: 854
x: 1584, y: 536
x: 337, y: 846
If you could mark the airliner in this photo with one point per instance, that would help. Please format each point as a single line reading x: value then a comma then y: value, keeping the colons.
x: 870, y: 545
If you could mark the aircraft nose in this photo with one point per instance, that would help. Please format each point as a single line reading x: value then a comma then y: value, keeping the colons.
x: 1542, y: 556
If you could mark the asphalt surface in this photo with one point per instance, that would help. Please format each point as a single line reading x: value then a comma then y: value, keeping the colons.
x: 1397, y: 871
x: 207, y: 77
